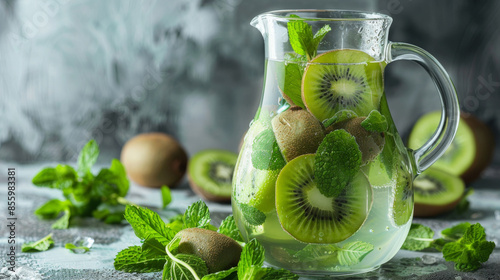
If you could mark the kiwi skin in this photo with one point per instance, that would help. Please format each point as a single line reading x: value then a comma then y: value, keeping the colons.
x: 154, y: 159
x: 205, y: 194
x: 297, y: 132
x: 370, y: 143
x: 219, y: 251
x: 485, y: 146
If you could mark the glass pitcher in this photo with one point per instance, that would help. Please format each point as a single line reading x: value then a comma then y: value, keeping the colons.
x: 323, y: 180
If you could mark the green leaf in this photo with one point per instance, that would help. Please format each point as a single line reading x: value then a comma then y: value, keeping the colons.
x: 72, y: 247
x: 133, y: 259
x: 252, y: 215
x: 173, y: 270
x: 419, y: 237
x: 60, y: 177
x: 38, y: 246
x: 148, y: 224
x: 166, y: 196
x: 176, y: 223
x: 109, y: 213
x: 229, y: 228
x: 473, y: 233
x: 121, y: 181
x: 340, y: 116
x: 375, y: 122
x: 456, y: 232
x: 87, y: 157
x: 300, y: 36
x: 51, y: 209
x: 269, y: 273
x: 63, y: 222
x: 439, y: 243
x: 251, y: 255
x: 266, y: 154
x: 230, y: 274
x: 197, y: 215
x: 318, y: 37
x: 153, y: 247
x: 337, y: 161
x: 324, y: 254
x: 292, y: 83
x: 352, y: 253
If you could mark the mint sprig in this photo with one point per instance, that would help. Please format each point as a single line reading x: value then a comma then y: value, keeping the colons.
x: 85, y: 194
x: 38, y: 246
x: 464, y: 244
x: 302, y: 39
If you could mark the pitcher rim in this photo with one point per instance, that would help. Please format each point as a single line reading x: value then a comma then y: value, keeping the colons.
x: 361, y: 15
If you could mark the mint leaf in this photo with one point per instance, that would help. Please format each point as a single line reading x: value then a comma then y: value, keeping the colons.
x: 176, y: 223
x: 300, y: 36
x: 174, y: 270
x: 153, y: 247
x: 63, y: 222
x: 318, y: 37
x: 456, y: 232
x: 197, y: 215
x: 340, y: 116
x: 375, y: 122
x: 166, y: 196
x: 292, y: 82
x: 134, y: 259
x: 337, y: 161
x: 38, y: 246
x: 419, y: 237
x: 73, y: 248
x: 354, y: 252
x: 266, y: 154
x: 60, y: 177
x: 230, y: 274
x: 251, y: 259
x: 120, y: 181
x: 269, y: 273
x: 148, y: 224
x: 109, y: 213
x: 229, y: 228
x: 87, y: 157
x: 51, y: 209
x: 252, y: 215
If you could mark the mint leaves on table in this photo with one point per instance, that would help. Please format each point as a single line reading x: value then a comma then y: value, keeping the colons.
x: 159, y: 248
x: 100, y: 196
x: 464, y: 244
x: 38, y: 246
x: 73, y: 248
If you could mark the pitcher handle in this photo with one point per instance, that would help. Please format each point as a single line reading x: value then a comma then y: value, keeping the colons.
x: 426, y: 155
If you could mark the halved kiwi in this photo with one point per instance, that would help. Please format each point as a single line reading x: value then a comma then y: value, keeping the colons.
x: 470, y: 152
x: 311, y: 217
x: 342, y: 79
x: 436, y: 192
x: 210, y: 174
x: 402, y: 204
x: 297, y: 132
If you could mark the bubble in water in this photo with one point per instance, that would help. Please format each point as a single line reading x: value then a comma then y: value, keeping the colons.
x: 371, y: 230
x: 427, y: 259
x: 321, y: 234
x: 387, y: 228
x: 360, y: 29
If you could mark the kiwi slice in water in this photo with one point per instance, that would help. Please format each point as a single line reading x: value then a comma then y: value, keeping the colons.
x: 311, y: 217
x: 210, y: 174
x: 402, y: 205
x: 436, y: 192
x: 258, y: 189
x: 342, y: 79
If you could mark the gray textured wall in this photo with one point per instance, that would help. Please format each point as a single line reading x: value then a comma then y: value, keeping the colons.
x: 73, y: 70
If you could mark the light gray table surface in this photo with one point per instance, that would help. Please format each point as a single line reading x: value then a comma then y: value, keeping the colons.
x: 59, y: 263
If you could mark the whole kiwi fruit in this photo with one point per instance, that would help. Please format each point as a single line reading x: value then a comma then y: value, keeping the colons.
x: 219, y: 251
x: 154, y: 159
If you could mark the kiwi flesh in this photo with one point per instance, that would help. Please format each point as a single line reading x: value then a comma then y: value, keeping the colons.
x: 311, y: 217
x: 436, y: 192
x: 339, y: 80
x: 297, y: 132
x: 402, y: 204
x: 154, y: 159
x: 471, y: 150
x: 210, y: 174
x: 219, y: 251
x: 370, y: 143
x: 258, y: 189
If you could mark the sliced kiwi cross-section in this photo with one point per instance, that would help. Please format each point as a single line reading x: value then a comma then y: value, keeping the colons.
x: 342, y: 79
x: 210, y: 174
x: 402, y: 205
x: 311, y: 217
x: 436, y: 192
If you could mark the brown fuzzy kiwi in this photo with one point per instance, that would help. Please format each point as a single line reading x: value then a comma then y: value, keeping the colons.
x: 370, y: 143
x: 154, y: 159
x: 297, y: 132
x: 219, y: 251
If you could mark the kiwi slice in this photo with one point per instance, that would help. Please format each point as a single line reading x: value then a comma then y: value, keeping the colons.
x: 210, y: 174
x: 470, y: 152
x: 311, y: 217
x: 402, y: 205
x: 258, y: 189
x: 342, y: 79
x: 436, y: 192
x: 370, y: 143
x: 297, y: 132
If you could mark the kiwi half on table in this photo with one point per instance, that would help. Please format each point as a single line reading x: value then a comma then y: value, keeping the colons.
x: 342, y: 79
x: 311, y: 217
x: 210, y: 174
x: 470, y: 152
x: 436, y: 192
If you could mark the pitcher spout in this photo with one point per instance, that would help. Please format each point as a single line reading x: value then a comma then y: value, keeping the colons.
x: 258, y: 22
